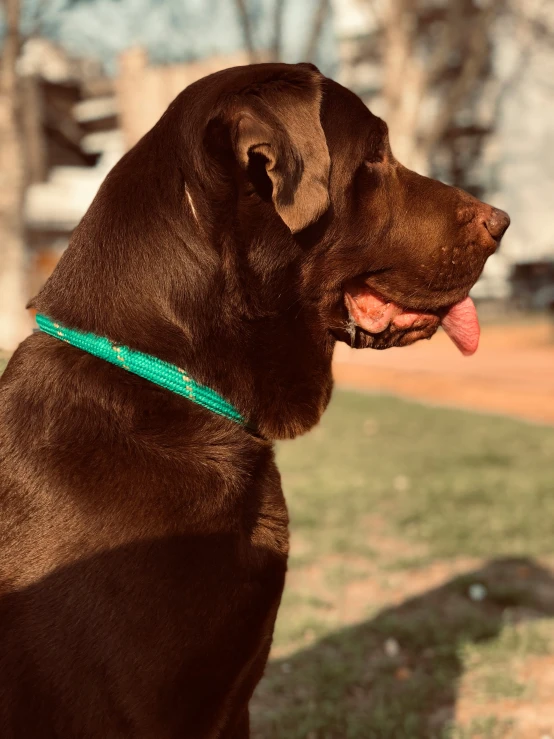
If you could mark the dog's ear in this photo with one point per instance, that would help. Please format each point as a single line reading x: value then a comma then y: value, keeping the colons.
x: 279, y: 124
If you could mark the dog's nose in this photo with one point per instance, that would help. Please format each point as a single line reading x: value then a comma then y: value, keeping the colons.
x: 497, y: 223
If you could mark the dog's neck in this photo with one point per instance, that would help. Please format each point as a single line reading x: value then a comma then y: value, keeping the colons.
x: 197, y: 304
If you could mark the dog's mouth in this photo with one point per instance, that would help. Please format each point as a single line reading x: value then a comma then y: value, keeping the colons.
x: 379, y: 323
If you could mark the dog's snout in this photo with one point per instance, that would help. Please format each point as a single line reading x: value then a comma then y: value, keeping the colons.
x: 497, y: 223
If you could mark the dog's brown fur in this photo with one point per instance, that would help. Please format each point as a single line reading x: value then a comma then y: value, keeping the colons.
x: 144, y: 539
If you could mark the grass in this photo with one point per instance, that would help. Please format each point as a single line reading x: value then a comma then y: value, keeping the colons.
x: 397, y: 512
x: 486, y: 727
x: 459, y: 482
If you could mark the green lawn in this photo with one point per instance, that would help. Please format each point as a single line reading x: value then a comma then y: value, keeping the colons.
x: 459, y: 482
x: 403, y: 516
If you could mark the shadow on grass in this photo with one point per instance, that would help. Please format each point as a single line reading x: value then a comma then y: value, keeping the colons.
x: 397, y: 675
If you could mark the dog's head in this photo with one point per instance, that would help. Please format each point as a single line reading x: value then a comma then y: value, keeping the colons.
x: 263, y: 218
x: 389, y: 254
x: 407, y: 248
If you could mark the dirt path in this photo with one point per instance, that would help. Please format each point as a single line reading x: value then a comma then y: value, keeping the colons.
x: 512, y: 372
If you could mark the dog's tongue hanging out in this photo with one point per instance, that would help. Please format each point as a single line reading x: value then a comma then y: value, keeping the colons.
x: 462, y: 325
x: 374, y: 314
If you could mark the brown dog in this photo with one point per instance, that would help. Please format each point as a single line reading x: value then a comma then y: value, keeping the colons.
x: 144, y: 538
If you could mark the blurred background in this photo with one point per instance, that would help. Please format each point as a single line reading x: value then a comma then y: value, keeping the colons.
x: 420, y: 595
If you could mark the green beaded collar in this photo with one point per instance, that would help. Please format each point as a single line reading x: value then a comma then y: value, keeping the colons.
x: 151, y: 368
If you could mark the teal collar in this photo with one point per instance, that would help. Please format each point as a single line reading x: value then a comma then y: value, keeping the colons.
x: 151, y: 368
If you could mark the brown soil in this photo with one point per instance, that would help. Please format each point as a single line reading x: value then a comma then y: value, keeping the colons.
x: 532, y: 716
x: 512, y: 372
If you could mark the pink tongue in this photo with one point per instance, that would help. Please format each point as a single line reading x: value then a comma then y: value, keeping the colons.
x: 374, y: 314
x: 462, y: 326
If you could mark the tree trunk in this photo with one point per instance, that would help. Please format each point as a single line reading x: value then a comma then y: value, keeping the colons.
x: 321, y: 13
x: 277, y: 44
x: 246, y: 28
x: 15, y: 321
x: 403, y: 86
